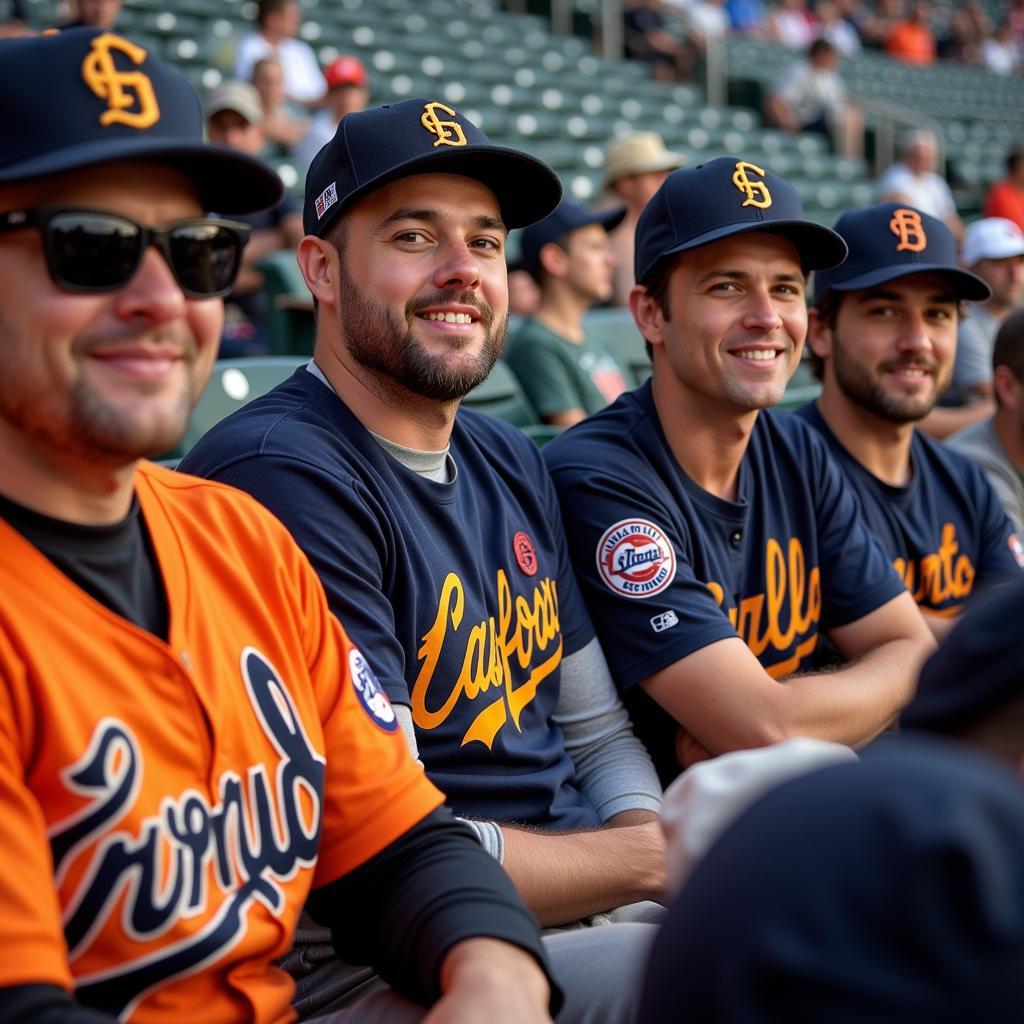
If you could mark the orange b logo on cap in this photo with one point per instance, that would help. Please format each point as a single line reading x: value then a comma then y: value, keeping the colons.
x: 123, y: 90
x: 907, y: 227
x: 449, y: 133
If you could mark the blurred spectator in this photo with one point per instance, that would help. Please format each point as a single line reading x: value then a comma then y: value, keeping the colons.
x: 961, y: 42
x: 1006, y: 198
x: 746, y: 16
x: 912, y: 40
x: 347, y: 92
x: 634, y: 167
x: 648, y: 36
x: 836, y: 29
x: 1000, y: 53
x: 566, y: 374
x: 997, y: 444
x: 281, y: 124
x: 875, y: 27
x: 94, y: 13
x: 889, y: 889
x: 234, y: 118
x: 913, y: 181
x: 13, y: 19
x: 279, y: 22
x: 791, y: 24
x: 523, y: 293
x: 810, y: 96
x: 707, y: 21
x: 1015, y: 16
x: 994, y: 250
x: 972, y: 689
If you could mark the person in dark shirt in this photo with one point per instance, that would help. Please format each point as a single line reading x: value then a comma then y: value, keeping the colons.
x: 883, y: 332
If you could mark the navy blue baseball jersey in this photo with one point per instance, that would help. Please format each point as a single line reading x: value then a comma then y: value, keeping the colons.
x: 945, y: 533
x: 668, y: 568
x: 462, y: 591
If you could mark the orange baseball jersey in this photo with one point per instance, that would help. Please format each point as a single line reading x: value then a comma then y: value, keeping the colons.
x: 168, y: 806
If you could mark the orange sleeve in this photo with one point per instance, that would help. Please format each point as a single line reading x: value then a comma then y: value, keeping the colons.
x: 32, y: 949
x: 373, y: 790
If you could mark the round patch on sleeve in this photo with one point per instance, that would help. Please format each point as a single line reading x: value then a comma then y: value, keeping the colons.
x: 635, y: 558
x: 1017, y: 547
x: 374, y: 700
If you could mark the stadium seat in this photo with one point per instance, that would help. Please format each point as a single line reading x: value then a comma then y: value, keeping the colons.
x: 501, y: 396
x: 290, y: 325
x: 234, y: 382
x: 617, y: 329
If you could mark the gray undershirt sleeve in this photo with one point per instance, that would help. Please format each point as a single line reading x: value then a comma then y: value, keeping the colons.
x: 613, y: 769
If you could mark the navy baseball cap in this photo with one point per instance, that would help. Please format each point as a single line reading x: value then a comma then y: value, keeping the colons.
x: 978, y: 669
x: 87, y: 97
x: 568, y: 216
x: 698, y: 205
x: 374, y: 147
x: 891, y: 240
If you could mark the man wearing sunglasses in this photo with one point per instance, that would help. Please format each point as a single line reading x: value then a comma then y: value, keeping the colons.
x: 190, y: 746
x: 437, y: 535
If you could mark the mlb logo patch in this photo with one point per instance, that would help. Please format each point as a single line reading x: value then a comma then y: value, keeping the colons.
x: 666, y: 620
x: 326, y: 200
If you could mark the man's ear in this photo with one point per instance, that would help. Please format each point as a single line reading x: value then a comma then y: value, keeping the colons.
x: 1008, y: 390
x: 648, y: 315
x: 553, y: 259
x: 819, y: 334
x: 320, y: 266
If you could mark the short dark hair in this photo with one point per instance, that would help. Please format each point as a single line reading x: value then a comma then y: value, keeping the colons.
x: 658, y: 278
x: 270, y: 7
x: 827, y: 306
x: 1014, y: 159
x: 819, y: 46
x: 1009, y: 345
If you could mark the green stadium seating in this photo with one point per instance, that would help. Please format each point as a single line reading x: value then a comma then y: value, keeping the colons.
x: 618, y: 330
x: 290, y: 326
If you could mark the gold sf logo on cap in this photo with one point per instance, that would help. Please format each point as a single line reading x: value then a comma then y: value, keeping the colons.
x: 449, y: 133
x: 756, y: 191
x: 121, y: 89
x: 907, y: 227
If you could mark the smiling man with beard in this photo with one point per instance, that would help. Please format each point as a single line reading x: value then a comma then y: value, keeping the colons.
x: 883, y: 334
x: 437, y: 535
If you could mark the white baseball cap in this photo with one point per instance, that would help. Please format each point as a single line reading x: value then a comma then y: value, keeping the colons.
x: 710, y: 795
x: 991, y: 238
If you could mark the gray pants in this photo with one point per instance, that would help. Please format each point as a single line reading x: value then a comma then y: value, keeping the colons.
x: 598, y: 963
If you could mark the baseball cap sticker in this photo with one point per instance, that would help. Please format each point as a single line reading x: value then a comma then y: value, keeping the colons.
x: 130, y: 97
x: 907, y: 226
x: 326, y: 199
x: 449, y: 133
x: 636, y: 559
x: 756, y: 191
x: 371, y: 696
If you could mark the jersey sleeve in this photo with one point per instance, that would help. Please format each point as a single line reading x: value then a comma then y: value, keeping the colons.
x: 349, y: 556
x: 373, y: 789
x: 32, y: 948
x: 649, y: 618
x: 544, y: 377
x: 856, y: 575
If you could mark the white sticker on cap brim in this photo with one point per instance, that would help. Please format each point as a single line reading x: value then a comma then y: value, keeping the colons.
x: 635, y: 558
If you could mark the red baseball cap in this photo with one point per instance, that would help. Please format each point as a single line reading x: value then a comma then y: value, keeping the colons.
x: 345, y: 70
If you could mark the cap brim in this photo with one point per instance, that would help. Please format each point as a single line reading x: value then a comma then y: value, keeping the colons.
x: 227, y: 181
x: 526, y: 188
x: 610, y: 219
x: 967, y: 285
x: 820, y: 247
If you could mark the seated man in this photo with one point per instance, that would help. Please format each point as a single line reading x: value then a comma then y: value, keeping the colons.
x: 436, y: 531
x: 714, y: 542
x: 192, y: 747
x: 883, y: 333
x: 565, y: 374
x: 997, y: 444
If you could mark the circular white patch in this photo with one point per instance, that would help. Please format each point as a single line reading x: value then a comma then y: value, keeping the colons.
x: 635, y: 558
x: 371, y: 696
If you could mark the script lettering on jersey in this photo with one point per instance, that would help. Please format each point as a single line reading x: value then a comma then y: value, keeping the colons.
x: 787, y: 612
x: 256, y: 832
x: 944, y: 575
x: 523, y: 628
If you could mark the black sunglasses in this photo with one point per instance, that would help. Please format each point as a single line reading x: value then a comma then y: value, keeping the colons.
x: 97, y: 251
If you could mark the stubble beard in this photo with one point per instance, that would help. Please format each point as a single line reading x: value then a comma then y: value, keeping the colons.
x: 382, y: 342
